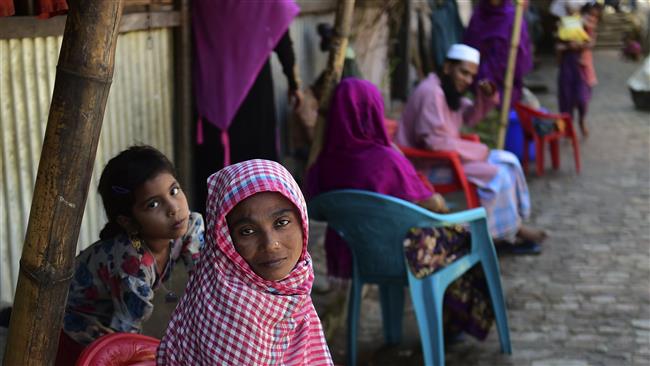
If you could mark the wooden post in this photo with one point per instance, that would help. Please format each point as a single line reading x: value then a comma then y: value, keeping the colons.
x: 510, y: 74
x: 83, y: 80
x: 342, y: 22
x: 183, y: 95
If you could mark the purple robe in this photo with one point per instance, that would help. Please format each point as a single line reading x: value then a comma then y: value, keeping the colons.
x: 489, y: 31
x: 232, y: 41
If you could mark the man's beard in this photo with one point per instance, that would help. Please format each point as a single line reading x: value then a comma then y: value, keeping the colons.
x: 452, y: 95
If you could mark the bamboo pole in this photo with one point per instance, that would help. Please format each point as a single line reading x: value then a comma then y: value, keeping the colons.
x: 342, y: 23
x: 399, y: 80
x: 83, y: 80
x: 510, y: 74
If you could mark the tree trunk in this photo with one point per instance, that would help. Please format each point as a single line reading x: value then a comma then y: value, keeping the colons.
x: 342, y: 22
x: 83, y: 80
x: 510, y: 74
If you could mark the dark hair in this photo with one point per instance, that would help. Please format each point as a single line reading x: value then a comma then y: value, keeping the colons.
x: 122, y: 176
x: 326, y: 32
x: 452, y: 61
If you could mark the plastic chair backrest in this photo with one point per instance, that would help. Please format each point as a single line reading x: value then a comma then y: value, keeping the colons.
x: 451, y: 160
x: 526, y: 114
x: 525, y: 119
x: 375, y: 225
x: 120, y: 349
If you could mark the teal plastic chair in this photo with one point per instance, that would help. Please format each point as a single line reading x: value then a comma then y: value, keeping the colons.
x: 374, y: 226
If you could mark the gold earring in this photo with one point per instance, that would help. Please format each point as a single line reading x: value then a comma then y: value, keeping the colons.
x: 135, y: 240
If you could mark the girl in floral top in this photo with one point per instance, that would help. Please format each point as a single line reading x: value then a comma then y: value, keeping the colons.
x: 149, y: 228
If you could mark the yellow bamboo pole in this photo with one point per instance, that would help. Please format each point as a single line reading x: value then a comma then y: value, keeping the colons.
x: 510, y: 74
x: 342, y: 23
x: 83, y: 80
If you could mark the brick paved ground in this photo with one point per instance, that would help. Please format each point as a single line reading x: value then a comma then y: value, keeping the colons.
x: 586, y: 299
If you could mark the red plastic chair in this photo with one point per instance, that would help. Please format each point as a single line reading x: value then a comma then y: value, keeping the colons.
x: 526, y: 115
x: 120, y: 349
x: 452, y: 160
x: 449, y: 158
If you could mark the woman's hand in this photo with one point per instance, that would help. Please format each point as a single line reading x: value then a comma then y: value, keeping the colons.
x: 435, y: 203
x: 439, y: 204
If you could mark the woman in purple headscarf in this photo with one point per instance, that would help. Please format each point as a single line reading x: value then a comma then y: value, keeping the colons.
x: 489, y: 31
x: 357, y: 154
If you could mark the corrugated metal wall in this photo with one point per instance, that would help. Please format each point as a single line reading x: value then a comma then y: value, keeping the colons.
x: 139, y: 110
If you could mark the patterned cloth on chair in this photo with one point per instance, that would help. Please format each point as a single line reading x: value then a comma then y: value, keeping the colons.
x: 467, y: 300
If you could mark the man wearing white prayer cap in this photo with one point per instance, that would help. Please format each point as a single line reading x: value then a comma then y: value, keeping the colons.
x: 432, y: 119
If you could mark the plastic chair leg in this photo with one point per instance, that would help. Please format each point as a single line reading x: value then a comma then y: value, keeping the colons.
x: 576, y: 152
x: 555, y: 153
x: 423, y: 317
x: 353, y: 320
x: 392, y: 310
x: 539, y: 157
x: 526, y: 157
x: 438, y: 339
x: 491, y: 270
x: 427, y: 296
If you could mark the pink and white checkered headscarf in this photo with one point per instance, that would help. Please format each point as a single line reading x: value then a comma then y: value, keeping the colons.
x: 231, y: 316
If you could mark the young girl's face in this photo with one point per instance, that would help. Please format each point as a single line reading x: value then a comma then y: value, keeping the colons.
x: 266, y: 230
x: 160, y: 209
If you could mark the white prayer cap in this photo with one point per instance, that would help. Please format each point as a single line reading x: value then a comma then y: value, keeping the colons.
x: 463, y: 52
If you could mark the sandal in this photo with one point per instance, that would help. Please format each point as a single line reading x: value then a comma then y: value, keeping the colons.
x: 524, y: 247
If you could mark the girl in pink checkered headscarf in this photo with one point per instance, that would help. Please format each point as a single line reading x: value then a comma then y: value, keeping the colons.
x: 248, y: 301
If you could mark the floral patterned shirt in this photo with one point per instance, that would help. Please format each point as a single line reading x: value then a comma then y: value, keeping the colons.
x: 114, y: 281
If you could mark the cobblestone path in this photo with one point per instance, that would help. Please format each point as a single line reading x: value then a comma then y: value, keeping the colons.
x: 586, y: 299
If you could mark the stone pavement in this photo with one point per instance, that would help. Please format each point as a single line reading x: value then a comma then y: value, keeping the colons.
x: 586, y: 299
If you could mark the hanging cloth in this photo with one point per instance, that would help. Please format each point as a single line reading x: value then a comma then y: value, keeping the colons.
x: 232, y: 41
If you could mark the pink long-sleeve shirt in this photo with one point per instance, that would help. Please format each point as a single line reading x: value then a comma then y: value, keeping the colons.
x: 429, y: 123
